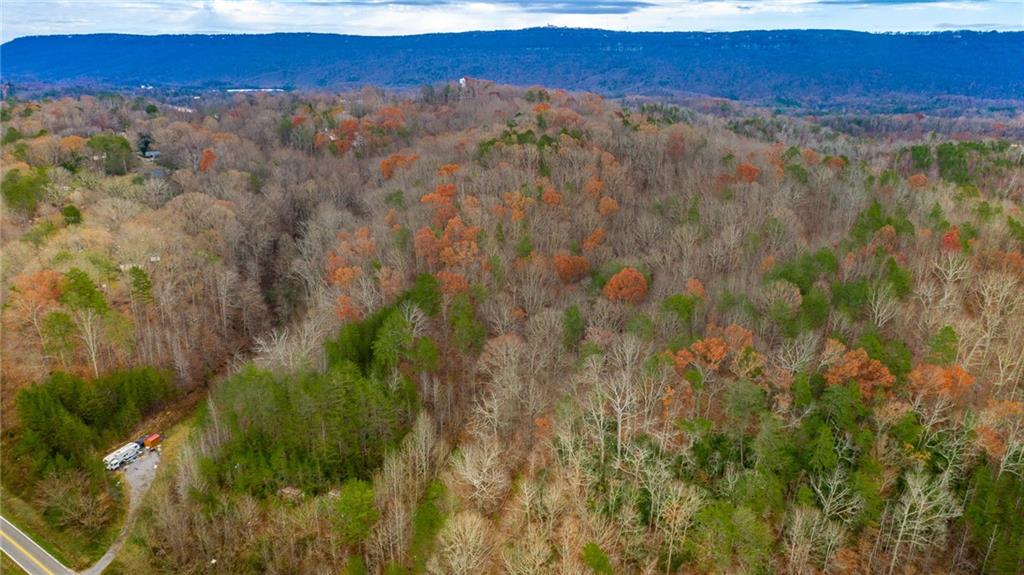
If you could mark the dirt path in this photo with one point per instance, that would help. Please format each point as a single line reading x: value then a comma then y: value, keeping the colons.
x: 138, y: 475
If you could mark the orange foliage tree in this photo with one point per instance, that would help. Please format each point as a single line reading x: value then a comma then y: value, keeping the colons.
x: 607, y: 206
x: 447, y: 170
x: 675, y: 146
x: 344, y: 276
x: 737, y: 338
x: 347, y: 309
x: 459, y: 243
x: 570, y: 268
x: 951, y: 239
x: 456, y: 247
x: 747, y: 173
x: 695, y: 288
x: 72, y: 144
x: 206, y: 162
x: 390, y: 164
x: 391, y: 282
x: 681, y: 360
x: 549, y: 195
x: 443, y: 200
x: 629, y: 286
x: 593, y: 187
x: 321, y: 139
x: 595, y: 239
x: 391, y: 118
x: 452, y: 283
x: 917, y: 181
x: 518, y: 204
x: 709, y: 352
x: 426, y: 245
x: 836, y: 163
x: 870, y: 374
x: 344, y: 266
x: 36, y: 293
x: 951, y: 382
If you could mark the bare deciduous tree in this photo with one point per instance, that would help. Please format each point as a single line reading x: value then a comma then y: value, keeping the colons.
x: 463, y: 546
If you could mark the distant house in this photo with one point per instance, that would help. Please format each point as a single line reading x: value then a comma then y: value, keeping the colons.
x: 471, y: 87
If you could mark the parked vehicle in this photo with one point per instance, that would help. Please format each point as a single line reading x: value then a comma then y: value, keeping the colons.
x: 152, y: 440
x: 125, y: 454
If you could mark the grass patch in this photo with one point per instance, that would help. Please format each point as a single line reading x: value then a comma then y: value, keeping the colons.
x: 71, y: 549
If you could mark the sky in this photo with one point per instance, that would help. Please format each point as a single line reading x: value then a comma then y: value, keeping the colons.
x: 389, y: 17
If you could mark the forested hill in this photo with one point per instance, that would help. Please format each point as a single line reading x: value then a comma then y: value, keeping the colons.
x: 804, y: 66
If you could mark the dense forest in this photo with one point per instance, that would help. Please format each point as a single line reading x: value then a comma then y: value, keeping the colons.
x: 828, y: 68
x: 505, y: 330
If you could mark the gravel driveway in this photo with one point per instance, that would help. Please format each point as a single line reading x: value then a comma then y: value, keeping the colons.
x: 138, y: 475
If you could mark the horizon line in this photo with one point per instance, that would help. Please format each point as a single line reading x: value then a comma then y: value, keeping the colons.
x: 529, y: 28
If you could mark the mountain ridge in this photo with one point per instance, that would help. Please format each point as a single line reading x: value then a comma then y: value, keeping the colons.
x: 805, y: 65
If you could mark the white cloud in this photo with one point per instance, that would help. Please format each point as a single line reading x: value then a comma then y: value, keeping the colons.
x: 383, y: 17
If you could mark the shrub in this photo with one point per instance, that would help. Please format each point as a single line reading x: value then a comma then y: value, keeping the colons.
x: 952, y: 159
x: 39, y: 233
x: 852, y: 297
x: 725, y: 532
x: 682, y: 307
x: 798, y: 173
x: 893, y: 353
x: 921, y: 157
x: 11, y: 135
x: 22, y: 192
x: 72, y: 215
x: 642, y: 326
x: 805, y: 269
x: 524, y: 247
x: 943, y: 346
x: 597, y: 560
x: 426, y: 294
x: 875, y: 218
x: 573, y: 327
x: 1016, y: 229
x: 354, y: 511
x: 427, y: 520
x: 467, y: 331
x: 995, y: 515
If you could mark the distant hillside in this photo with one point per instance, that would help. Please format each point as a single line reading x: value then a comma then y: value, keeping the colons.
x: 799, y: 66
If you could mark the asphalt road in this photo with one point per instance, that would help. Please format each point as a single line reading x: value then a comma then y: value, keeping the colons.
x: 29, y: 556
x: 34, y: 560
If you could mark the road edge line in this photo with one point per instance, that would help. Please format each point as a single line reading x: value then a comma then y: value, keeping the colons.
x: 16, y: 562
x: 43, y: 549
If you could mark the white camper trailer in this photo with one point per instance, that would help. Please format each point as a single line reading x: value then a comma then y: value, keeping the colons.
x: 125, y: 454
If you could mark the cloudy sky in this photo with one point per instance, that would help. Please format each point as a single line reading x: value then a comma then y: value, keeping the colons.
x: 377, y: 17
